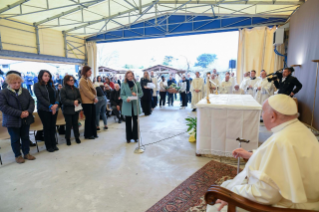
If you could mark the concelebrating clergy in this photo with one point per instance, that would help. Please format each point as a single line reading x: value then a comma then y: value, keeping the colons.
x: 197, y: 89
x: 226, y: 87
x: 283, y: 172
x: 250, y: 83
x: 263, y: 88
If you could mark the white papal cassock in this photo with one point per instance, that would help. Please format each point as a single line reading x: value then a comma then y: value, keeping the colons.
x: 226, y: 87
x: 283, y: 171
x: 197, y: 84
x: 265, y: 91
x: 250, y: 82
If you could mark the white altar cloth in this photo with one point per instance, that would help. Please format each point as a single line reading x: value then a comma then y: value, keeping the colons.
x: 226, y: 118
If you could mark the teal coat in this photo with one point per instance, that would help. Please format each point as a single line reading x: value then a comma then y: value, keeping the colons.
x: 127, y: 106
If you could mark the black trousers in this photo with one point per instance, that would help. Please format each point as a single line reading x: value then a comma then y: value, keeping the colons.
x: 72, y: 121
x: 163, y: 98
x: 131, y: 134
x: 117, y: 113
x: 49, y: 128
x: 184, y: 99
x: 146, y: 106
x: 154, y: 101
x: 90, y: 116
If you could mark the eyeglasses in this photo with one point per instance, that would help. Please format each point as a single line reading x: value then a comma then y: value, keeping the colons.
x: 71, y: 80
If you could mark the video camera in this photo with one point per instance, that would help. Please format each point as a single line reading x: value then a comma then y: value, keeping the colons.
x: 275, y: 75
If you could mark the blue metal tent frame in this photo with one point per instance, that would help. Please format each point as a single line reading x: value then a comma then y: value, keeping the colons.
x: 181, y: 25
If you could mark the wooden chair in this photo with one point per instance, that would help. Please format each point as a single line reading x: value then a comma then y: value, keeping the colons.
x: 36, y: 126
x: 59, y: 121
x: 3, y: 133
x: 234, y: 200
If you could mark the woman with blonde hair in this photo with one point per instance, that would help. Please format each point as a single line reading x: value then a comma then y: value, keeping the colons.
x: 146, y: 100
x: 17, y: 107
x: 89, y: 99
x: 131, y: 108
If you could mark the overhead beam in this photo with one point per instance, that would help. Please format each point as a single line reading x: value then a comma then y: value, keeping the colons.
x: 67, y: 12
x: 106, y: 18
x: 9, y: 7
x: 278, y: 2
x: 136, y: 8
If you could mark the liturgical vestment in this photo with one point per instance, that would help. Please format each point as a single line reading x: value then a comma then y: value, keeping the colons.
x: 265, y: 91
x: 197, y: 84
x: 251, y: 82
x: 282, y: 172
x: 226, y: 87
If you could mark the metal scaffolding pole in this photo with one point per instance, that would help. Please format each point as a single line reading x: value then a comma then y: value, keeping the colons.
x: 65, y: 45
x: 37, y: 39
x: 0, y: 42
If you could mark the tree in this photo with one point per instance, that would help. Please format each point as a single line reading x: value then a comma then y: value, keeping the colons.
x: 205, y: 59
x: 168, y: 60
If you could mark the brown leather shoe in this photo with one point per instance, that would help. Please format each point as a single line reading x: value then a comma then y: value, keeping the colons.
x: 20, y: 159
x: 29, y: 157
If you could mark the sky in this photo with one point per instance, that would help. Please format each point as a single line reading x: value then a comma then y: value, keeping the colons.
x: 146, y: 53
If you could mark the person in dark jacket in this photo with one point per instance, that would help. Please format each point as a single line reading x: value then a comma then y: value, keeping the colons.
x: 287, y: 84
x: 48, y: 106
x: 100, y: 105
x: 17, y: 107
x: 70, y: 98
x: 116, y: 102
x: 146, y: 100
x: 170, y: 95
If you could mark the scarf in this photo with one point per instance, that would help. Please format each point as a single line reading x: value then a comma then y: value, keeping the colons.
x: 17, y: 93
x: 130, y: 83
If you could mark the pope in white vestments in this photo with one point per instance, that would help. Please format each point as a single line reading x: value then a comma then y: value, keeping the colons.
x: 283, y: 171
x: 226, y: 87
x: 250, y: 83
x: 197, y: 89
x: 262, y: 88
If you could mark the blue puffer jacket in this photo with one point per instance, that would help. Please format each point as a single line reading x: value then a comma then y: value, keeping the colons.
x: 12, y: 107
x: 28, y: 80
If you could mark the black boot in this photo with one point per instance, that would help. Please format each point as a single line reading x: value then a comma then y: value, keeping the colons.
x: 78, y: 140
x: 68, y: 142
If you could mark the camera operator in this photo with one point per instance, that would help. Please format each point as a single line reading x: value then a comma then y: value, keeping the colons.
x: 287, y: 84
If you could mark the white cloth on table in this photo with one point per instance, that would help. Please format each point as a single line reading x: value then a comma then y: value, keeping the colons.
x: 226, y: 87
x: 197, y: 84
x: 250, y: 82
x: 283, y: 171
x: 265, y: 91
x: 227, y: 117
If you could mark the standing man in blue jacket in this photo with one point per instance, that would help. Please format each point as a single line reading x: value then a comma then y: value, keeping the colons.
x: 29, y: 82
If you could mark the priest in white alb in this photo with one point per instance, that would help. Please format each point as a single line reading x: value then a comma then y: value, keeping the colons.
x: 262, y: 88
x: 250, y: 83
x: 213, y: 84
x: 243, y: 82
x: 197, y: 89
x: 283, y: 171
x: 226, y: 87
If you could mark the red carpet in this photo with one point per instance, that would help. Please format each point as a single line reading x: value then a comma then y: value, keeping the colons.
x: 188, y: 196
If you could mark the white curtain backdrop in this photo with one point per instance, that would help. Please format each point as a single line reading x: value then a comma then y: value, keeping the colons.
x: 91, y: 50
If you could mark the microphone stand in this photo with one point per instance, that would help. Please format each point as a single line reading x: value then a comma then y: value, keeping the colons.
x: 139, y: 149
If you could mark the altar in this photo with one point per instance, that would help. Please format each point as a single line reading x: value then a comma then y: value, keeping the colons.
x: 226, y: 118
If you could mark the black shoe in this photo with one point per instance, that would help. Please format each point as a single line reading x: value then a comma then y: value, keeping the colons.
x: 50, y: 150
x: 91, y: 137
x: 32, y: 144
x: 105, y: 127
x: 96, y: 136
x: 56, y: 148
x: 194, y: 110
x: 68, y: 142
x: 97, y: 128
x: 77, y: 140
x: 128, y: 141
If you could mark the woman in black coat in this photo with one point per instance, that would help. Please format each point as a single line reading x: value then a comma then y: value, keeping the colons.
x: 146, y: 100
x: 17, y: 107
x: 48, y: 106
x: 70, y: 97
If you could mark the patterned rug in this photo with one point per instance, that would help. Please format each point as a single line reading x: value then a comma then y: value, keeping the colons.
x: 189, y: 196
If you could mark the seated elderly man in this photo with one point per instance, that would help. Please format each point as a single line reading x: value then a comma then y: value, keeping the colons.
x: 284, y: 170
x: 116, y: 102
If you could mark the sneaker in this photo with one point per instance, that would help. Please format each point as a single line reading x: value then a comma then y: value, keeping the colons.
x: 20, y: 159
x: 29, y: 157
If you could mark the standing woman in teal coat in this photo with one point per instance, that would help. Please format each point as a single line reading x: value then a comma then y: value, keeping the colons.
x: 129, y: 108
